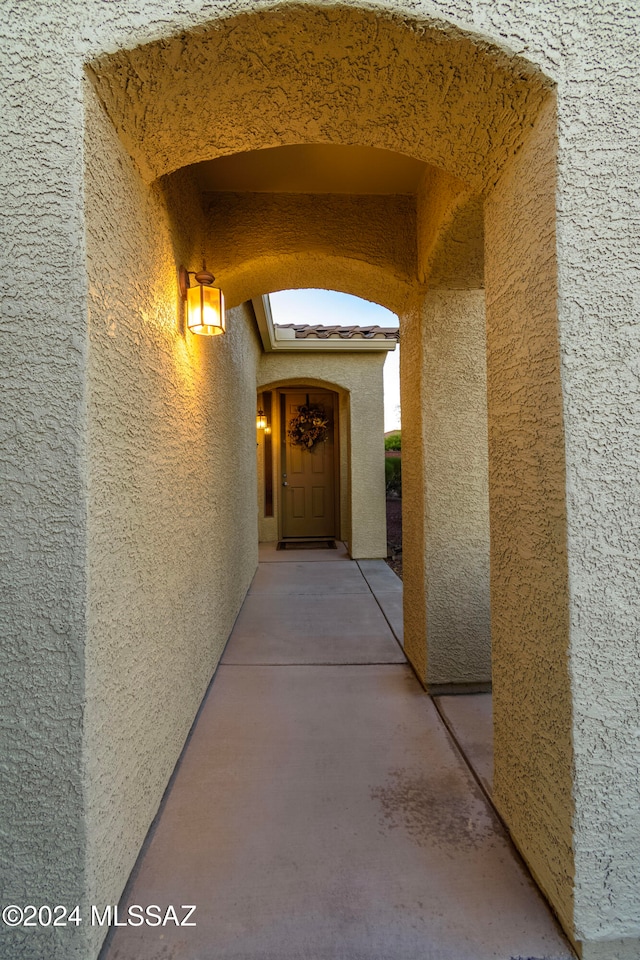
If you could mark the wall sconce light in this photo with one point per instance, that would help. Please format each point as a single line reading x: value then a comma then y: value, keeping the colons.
x: 267, y: 431
x: 205, y: 303
x: 261, y: 420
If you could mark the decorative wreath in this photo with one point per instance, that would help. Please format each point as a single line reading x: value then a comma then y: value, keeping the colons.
x: 309, y: 427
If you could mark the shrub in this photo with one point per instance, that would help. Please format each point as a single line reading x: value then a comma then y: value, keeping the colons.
x: 393, y: 475
x: 392, y: 442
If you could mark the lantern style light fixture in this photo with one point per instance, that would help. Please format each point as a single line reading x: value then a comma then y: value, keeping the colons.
x: 261, y: 420
x: 205, y: 303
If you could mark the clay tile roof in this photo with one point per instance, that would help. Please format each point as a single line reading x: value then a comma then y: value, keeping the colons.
x: 321, y: 332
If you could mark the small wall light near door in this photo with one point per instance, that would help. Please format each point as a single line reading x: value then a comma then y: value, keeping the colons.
x: 261, y: 420
x: 205, y: 303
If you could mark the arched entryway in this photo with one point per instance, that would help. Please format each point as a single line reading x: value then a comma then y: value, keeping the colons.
x: 358, y: 470
x: 483, y: 124
x: 301, y: 483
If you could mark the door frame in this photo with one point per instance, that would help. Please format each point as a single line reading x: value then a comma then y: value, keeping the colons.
x: 278, y: 458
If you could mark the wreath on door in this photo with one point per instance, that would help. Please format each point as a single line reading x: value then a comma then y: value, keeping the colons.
x: 309, y: 426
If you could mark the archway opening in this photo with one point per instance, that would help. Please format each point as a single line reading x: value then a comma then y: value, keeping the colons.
x: 344, y: 342
x: 482, y: 124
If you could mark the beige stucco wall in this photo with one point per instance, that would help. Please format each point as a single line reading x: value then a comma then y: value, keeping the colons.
x: 43, y: 477
x: 412, y: 399
x: 528, y: 517
x: 445, y: 491
x: 358, y: 381
x: 447, y: 632
x: 254, y: 232
x: 172, y: 545
x: 437, y: 83
x: 461, y: 104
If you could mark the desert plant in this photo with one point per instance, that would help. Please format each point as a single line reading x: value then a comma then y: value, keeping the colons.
x: 393, y: 475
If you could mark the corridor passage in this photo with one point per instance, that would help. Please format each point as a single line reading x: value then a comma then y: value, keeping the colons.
x: 321, y: 809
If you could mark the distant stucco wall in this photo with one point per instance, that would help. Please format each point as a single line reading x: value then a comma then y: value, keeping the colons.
x: 376, y: 239
x: 362, y: 450
x: 172, y: 545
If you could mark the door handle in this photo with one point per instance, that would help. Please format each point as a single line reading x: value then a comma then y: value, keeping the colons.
x: 284, y: 483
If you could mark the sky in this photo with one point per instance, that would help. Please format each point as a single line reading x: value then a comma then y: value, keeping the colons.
x: 341, y: 309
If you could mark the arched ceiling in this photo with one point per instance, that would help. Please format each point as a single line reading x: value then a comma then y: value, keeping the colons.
x: 333, y: 146
x: 306, y: 74
x: 330, y: 271
x: 361, y: 234
x: 380, y: 246
x: 313, y: 168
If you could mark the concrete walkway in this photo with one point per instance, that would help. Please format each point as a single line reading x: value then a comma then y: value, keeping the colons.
x: 321, y: 810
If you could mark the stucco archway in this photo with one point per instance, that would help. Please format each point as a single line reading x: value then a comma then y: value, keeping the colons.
x: 315, y: 270
x: 321, y: 74
x: 271, y: 529
x: 357, y: 384
x: 484, y: 124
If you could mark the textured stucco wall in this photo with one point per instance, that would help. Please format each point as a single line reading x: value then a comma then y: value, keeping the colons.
x: 305, y: 73
x: 445, y: 489
x: 438, y: 197
x: 598, y: 218
x: 412, y: 401
x: 456, y: 488
x: 533, y: 754
x: 172, y: 545
x: 254, y: 232
x: 389, y: 83
x: 445, y: 484
x: 362, y: 448
x: 457, y: 261
x: 43, y: 531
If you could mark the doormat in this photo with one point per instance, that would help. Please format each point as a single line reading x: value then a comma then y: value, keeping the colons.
x: 306, y: 545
